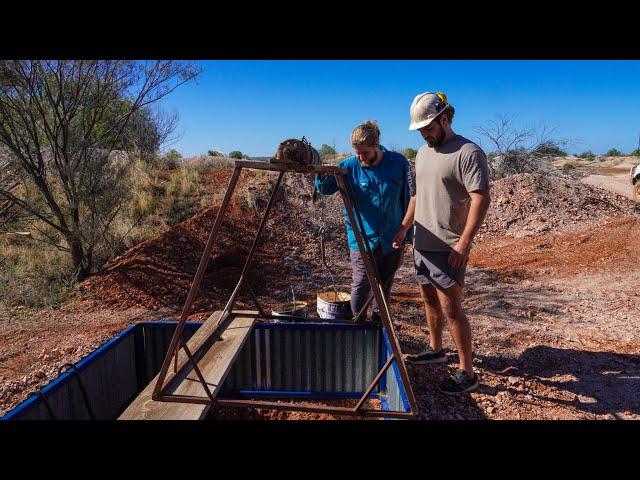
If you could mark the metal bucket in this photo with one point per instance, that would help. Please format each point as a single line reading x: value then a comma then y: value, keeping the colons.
x: 287, y: 309
x: 334, y: 306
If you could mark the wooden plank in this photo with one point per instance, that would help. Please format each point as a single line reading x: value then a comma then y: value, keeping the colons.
x: 214, y: 364
x: 217, y: 360
x: 290, y: 167
x: 195, y: 345
x: 143, y: 406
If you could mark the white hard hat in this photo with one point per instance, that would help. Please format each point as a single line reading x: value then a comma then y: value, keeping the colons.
x: 425, y: 108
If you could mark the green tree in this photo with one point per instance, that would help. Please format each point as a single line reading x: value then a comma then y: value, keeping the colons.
x: 60, y: 122
x: 8, y: 182
x: 215, y: 153
x: 587, y: 154
x: 410, y: 153
x: 143, y: 134
x: 327, y: 150
x: 635, y: 153
x: 236, y: 154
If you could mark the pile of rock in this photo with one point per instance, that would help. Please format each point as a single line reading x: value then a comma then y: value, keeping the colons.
x: 530, y: 203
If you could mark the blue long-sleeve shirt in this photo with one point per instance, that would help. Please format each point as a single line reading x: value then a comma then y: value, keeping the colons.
x: 382, y: 193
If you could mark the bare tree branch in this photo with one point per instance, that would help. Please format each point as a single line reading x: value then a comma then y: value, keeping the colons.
x: 516, y: 150
x: 60, y: 124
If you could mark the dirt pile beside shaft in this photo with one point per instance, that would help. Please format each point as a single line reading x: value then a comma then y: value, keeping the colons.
x: 529, y: 203
x: 158, y: 273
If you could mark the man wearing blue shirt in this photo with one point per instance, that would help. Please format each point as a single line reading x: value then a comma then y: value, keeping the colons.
x: 384, y: 188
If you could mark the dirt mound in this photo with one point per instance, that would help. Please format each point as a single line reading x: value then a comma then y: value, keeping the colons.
x: 158, y: 273
x: 531, y: 203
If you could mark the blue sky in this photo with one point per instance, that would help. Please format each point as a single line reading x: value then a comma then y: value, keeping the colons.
x: 252, y: 106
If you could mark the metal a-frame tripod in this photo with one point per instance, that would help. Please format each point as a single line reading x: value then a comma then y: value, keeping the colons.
x: 161, y: 393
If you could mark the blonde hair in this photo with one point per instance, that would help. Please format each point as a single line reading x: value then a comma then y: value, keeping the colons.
x: 367, y: 133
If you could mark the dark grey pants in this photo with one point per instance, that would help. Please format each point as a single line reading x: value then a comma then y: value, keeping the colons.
x: 360, y: 288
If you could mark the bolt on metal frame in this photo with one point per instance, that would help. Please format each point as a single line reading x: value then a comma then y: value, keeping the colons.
x: 163, y: 384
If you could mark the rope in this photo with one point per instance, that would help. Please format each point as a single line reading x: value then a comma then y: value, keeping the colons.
x: 85, y: 396
x: 323, y: 257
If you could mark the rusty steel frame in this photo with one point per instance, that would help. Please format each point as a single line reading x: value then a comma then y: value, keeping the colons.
x: 349, y: 200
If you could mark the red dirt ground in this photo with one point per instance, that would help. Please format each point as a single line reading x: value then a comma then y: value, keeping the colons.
x: 609, y: 246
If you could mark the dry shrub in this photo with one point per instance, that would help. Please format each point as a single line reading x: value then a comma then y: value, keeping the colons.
x: 182, y: 195
x: 515, y: 150
x: 33, y: 274
x: 185, y: 181
x: 204, y: 163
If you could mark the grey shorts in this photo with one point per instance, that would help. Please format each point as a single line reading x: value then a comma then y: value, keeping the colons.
x: 433, y: 267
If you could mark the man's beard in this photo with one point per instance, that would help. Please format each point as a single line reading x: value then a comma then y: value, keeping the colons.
x: 437, y: 140
x: 369, y: 163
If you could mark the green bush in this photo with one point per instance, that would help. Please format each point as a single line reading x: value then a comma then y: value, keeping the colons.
x: 236, y: 154
x: 587, y: 154
x: 568, y: 166
x: 170, y: 160
x: 208, y: 163
x: 410, y: 153
x: 614, y: 152
x: 550, y: 150
x: 33, y: 274
x: 172, y: 201
x: 214, y: 153
x: 635, y: 153
x: 184, y: 182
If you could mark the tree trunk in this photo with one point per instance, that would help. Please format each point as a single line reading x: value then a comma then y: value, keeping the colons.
x: 81, y: 266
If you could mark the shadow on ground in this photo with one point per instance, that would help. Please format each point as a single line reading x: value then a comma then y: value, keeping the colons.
x: 435, y: 405
x: 511, y: 297
x: 602, y: 382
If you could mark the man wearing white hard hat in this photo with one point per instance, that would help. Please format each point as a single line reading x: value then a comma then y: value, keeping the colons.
x: 452, y: 198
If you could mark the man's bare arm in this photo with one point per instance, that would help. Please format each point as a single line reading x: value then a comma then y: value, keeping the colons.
x: 480, y: 201
x: 407, y: 223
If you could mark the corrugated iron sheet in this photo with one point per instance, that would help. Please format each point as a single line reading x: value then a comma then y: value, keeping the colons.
x: 109, y: 366
x: 155, y: 344
x: 319, y: 358
x: 112, y: 376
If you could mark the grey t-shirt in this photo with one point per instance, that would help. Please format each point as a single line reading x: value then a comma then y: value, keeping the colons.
x: 444, y: 177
